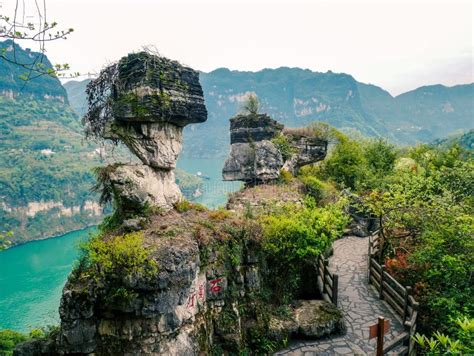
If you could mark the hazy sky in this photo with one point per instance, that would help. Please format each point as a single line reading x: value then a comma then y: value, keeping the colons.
x: 398, y: 46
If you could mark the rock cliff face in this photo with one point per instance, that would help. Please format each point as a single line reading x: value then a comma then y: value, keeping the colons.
x: 145, y: 101
x: 211, y: 293
x: 140, y: 185
x: 256, y: 158
x: 306, y: 149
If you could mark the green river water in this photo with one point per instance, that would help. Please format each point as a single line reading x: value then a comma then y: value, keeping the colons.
x: 32, y: 275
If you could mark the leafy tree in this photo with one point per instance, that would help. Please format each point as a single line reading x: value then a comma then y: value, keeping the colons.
x: 326, y: 132
x: 4, y: 240
x: 346, y: 163
x: 9, y: 339
x: 251, y: 105
x: 380, y: 156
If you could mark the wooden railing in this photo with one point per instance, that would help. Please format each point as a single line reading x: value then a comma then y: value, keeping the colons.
x: 397, y: 296
x: 327, y: 281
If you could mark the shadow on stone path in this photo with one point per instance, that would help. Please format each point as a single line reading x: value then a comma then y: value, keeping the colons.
x: 359, y: 302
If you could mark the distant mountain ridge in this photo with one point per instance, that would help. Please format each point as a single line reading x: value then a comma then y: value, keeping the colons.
x: 11, y: 81
x: 297, y: 97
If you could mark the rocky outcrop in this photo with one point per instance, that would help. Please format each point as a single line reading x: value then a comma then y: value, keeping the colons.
x: 154, y: 316
x: 307, y: 149
x: 308, y: 319
x: 139, y: 186
x: 255, y: 155
x: 157, y: 145
x: 150, y: 88
x: 145, y: 101
x: 207, y: 295
x: 184, y: 281
x: 257, y: 162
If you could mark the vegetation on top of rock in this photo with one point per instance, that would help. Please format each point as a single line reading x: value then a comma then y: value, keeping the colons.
x: 251, y: 105
x: 284, y: 146
x: 184, y: 205
x: 116, y: 257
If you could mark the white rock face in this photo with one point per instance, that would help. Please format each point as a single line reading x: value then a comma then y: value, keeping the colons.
x: 259, y: 161
x: 90, y: 207
x: 157, y: 145
x: 139, y: 185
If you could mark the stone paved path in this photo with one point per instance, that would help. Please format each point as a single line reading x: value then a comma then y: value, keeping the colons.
x: 359, y: 302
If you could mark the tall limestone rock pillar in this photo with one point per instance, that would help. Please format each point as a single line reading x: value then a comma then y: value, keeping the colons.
x: 144, y: 101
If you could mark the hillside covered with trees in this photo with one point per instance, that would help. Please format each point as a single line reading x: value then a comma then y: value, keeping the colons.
x: 45, y: 164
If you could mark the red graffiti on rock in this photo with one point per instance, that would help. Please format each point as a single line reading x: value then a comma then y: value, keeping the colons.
x: 215, y: 287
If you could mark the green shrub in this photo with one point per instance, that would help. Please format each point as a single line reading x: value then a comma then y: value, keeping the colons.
x: 380, y: 156
x: 9, y: 339
x: 184, y: 205
x: 251, y: 105
x: 304, y: 233
x: 315, y: 187
x: 292, y: 239
x: 440, y: 344
x: 283, y: 146
x: 4, y: 239
x: 219, y: 214
x: 118, y: 256
x: 346, y: 165
x: 285, y: 176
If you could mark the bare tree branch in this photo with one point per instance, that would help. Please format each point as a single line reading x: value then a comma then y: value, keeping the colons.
x: 17, y: 28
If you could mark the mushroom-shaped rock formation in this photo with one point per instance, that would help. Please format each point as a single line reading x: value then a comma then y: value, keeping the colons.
x: 145, y: 101
x: 256, y: 154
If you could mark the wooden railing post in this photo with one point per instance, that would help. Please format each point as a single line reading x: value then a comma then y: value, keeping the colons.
x: 408, y: 292
x: 380, y: 333
x: 411, y: 343
x: 318, y: 273
x: 335, y: 281
x: 369, y: 254
x: 382, y: 271
x: 325, y: 272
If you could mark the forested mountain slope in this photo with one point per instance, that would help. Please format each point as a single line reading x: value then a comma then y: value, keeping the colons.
x: 297, y: 97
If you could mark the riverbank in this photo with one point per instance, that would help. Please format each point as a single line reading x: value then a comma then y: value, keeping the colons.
x: 32, y: 279
x: 22, y: 243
